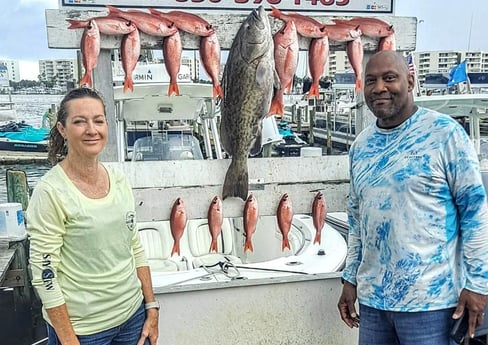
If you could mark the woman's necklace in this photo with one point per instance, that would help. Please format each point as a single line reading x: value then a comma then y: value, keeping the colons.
x: 91, y: 188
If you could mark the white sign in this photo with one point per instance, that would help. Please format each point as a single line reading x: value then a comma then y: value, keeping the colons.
x: 152, y: 73
x: 325, y: 6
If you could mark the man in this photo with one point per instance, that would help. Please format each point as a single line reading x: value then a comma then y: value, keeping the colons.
x: 418, y: 215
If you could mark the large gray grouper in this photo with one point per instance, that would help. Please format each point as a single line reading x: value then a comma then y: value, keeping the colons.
x: 248, y: 80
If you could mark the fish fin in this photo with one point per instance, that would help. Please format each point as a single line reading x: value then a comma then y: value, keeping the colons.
x: 173, y: 89
x: 112, y: 9
x: 317, y: 237
x: 218, y: 92
x: 176, y: 249
x: 359, y: 85
x: 87, y: 79
x: 128, y: 84
x: 76, y: 24
x: 256, y: 145
x: 276, y: 13
x: 285, y: 244
x: 236, y: 183
x: 213, y: 247
x: 314, y: 91
x: 276, y: 107
x: 248, y: 246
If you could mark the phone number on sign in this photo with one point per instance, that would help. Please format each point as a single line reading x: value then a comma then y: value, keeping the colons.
x: 277, y: 2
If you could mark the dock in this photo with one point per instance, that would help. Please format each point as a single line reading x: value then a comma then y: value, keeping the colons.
x: 20, y: 157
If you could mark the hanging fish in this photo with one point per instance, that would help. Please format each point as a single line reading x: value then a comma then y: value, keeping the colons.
x: 355, y: 53
x: 286, y: 62
x: 187, y: 22
x: 319, y: 212
x: 250, y: 218
x: 109, y: 25
x: 318, y: 53
x: 177, y: 223
x: 284, y: 215
x: 215, y: 217
x: 172, y: 49
x: 306, y: 26
x: 90, y: 48
x: 371, y: 27
x: 210, y: 58
x: 387, y: 43
x: 341, y: 32
x: 130, y: 48
x: 145, y: 22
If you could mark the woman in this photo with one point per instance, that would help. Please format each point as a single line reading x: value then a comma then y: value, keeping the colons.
x: 88, y: 265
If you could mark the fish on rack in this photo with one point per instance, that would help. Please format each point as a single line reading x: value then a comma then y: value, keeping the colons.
x: 130, y: 48
x: 172, y: 50
x: 248, y: 81
x: 355, y: 54
x: 306, y: 26
x: 215, y: 218
x: 284, y: 216
x: 319, y: 212
x: 387, y: 43
x: 318, y: 53
x: 108, y: 25
x: 340, y: 32
x: 147, y: 23
x: 371, y: 27
x: 90, y: 49
x: 250, y: 218
x: 177, y: 223
x: 209, y: 50
x: 187, y: 22
x: 286, y: 61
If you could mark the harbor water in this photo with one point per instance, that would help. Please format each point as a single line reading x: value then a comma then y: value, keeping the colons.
x: 30, y: 109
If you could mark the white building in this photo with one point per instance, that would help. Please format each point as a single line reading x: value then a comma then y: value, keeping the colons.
x: 59, y: 71
x: 12, y: 68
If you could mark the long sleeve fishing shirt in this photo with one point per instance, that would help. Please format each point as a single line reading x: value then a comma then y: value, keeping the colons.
x: 84, y: 252
x: 418, y: 215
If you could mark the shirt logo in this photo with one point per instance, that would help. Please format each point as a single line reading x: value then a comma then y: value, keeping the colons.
x: 130, y: 220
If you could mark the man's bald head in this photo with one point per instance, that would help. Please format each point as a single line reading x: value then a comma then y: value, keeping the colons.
x: 389, y: 57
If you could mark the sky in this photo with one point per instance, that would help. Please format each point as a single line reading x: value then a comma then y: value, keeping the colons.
x: 442, y: 25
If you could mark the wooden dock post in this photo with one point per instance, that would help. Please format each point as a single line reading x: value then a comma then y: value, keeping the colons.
x: 17, y: 187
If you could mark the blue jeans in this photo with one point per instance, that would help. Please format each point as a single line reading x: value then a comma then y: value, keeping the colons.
x: 127, y: 333
x: 379, y: 327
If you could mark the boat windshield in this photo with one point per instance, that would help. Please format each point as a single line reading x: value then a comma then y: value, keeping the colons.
x: 167, y: 146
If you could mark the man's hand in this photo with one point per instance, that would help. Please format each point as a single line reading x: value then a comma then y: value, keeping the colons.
x: 474, y: 304
x: 346, y: 305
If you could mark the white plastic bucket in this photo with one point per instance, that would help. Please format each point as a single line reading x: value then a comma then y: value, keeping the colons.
x: 12, y: 221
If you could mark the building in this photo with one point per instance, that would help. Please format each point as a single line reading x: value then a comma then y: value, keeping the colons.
x: 59, y: 71
x: 13, y: 70
x: 442, y: 61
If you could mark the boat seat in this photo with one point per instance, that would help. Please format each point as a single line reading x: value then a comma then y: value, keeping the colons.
x: 157, y: 241
x: 199, y: 240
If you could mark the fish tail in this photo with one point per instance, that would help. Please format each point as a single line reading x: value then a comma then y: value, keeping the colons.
x: 176, y: 249
x: 359, y: 85
x: 87, y: 79
x: 236, y: 181
x: 128, y: 84
x: 317, y: 237
x: 285, y: 244
x: 248, y: 245
x: 218, y: 92
x: 277, y: 107
x: 213, y: 247
x: 76, y: 24
x: 173, y: 89
x: 314, y: 91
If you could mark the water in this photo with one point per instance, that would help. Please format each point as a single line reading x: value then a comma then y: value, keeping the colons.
x: 29, y: 108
